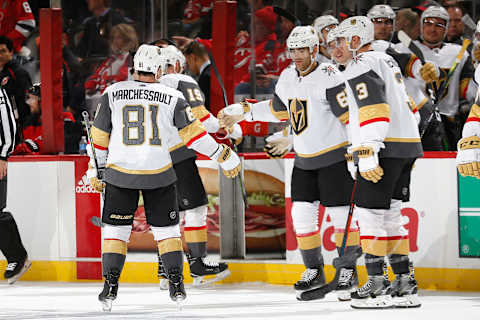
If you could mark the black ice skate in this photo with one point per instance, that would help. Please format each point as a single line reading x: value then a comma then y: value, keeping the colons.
x: 110, y: 289
x: 375, y: 294
x: 404, y: 292
x: 162, y: 275
x: 311, y: 279
x: 175, y: 286
x: 205, y: 271
x: 16, y: 269
x: 347, y: 283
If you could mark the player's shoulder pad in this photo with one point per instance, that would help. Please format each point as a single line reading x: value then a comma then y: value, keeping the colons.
x: 380, y: 45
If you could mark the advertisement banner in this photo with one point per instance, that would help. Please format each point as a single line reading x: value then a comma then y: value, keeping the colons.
x: 469, y: 216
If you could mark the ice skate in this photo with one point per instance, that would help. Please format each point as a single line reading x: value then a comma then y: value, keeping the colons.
x: 204, y: 271
x: 110, y: 289
x: 404, y: 292
x: 311, y: 279
x: 375, y: 294
x: 347, y: 284
x: 176, y: 287
x: 16, y: 269
x: 162, y: 275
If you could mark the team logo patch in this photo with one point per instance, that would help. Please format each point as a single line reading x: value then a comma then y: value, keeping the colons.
x: 329, y: 70
x: 405, y: 191
x: 173, y: 215
x: 185, y: 202
x: 298, y: 115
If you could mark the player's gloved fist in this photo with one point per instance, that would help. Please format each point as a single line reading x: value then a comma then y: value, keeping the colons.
x: 278, y: 145
x: 352, y: 168
x: 235, y: 133
x: 429, y: 72
x: 232, y: 114
x: 228, y: 160
x: 95, y: 178
x: 468, y: 156
x: 368, y: 161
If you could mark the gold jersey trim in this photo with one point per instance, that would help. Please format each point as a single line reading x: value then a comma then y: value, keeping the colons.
x: 379, y: 110
x: 421, y: 104
x: 191, y: 131
x: 177, y: 146
x: 142, y: 172
x: 100, y: 138
x: 280, y: 115
x: 344, y: 117
x: 406, y: 140
x: 311, y: 155
x: 200, y: 111
x: 474, y: 111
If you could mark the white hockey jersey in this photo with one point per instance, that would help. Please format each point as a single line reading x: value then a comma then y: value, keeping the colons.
x: 319, y: 137
x: 461, y: 83
x: 384, y: 112
x: 134, y: 121
x: 472, y: 124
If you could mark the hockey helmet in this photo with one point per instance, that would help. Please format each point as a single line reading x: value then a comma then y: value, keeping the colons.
x: 381, y: 11
x: 359, y: 26
x: 435, y: 12
x: 321, y: 23
x: 148, y: 58
x: 302, y: 37
x: 173, y: 55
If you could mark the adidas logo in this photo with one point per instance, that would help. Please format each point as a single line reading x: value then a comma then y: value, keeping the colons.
x: 83, y: 186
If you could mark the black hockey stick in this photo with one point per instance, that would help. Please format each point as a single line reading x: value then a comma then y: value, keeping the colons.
x: 225, y: 101
x: 340, y: 262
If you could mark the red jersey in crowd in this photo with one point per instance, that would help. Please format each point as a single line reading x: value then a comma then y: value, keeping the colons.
x: 113, y: 69
x: 195, y: 9
x: 16, y: 21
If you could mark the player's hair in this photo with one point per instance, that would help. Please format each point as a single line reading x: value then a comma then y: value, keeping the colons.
x: 7, y: 42
x: 195, y: 48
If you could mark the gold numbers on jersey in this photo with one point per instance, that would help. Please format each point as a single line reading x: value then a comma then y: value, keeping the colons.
x: 362, y: 91
x: 134, y: 127
x: 189, y: 113
x: 342, y: 99
x: 194, y: 95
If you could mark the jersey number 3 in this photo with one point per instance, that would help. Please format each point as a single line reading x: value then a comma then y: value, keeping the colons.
x: 134, y: 128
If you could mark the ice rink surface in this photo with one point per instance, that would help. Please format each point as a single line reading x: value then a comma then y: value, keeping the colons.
x: 54, y: 300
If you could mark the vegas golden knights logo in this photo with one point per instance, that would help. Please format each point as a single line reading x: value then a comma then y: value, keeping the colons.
x: 298, y: 115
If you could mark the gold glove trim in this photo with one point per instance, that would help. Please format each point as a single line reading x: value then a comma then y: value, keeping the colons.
x: 472, y: 142
x: 100, y: 138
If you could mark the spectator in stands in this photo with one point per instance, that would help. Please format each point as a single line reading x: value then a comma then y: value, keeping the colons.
x: 285, y: 24
x: 16, y: 23
x: 197, y: 19
x: 408, y: 21
x: 32, y: 142
x: 97, y: 28
x: 14, y: 79
x: 456, y: 27
x: 115, y: 68
x: 199, y: 65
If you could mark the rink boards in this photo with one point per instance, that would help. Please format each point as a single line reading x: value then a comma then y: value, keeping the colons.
x: 54, y: 214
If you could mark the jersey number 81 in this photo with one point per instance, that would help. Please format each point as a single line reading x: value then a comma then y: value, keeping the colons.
x: 134, y: 128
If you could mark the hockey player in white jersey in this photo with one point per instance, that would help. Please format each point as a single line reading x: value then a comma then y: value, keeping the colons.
x: 320, y: 174
x: 323, y: 25
x: 468, y: 156
x: 433, y: 29
x: 476, y: 46
x: 385, y: 140
x: 132, y: 125
x: 191, y: 193
x: 383, y: 19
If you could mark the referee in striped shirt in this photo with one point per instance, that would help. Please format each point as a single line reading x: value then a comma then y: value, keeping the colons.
x: 10, y: 241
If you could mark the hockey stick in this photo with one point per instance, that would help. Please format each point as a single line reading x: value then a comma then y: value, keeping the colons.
x: 446, y: 83
x: 340, y: 262
x: 225, y: 101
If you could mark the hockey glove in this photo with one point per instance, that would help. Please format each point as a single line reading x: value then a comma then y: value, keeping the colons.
x: 228, y: 160
x: 476, y: 53
x: 278, y: 145
x: 232, y: 114
x: 352, y: 168
x: 429, y: 72
x: 235, y: 133
x: 95, y: 179
x: 468, y: 157
x: 368, y: 161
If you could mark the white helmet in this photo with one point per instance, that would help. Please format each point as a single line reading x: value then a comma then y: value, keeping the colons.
x: 303, y: 37
x: 173, y: 55
x: 148, y: 59
x: 435, y: 12
x: 381, y: 11
x: 360, y: 26
x: 321, y: 23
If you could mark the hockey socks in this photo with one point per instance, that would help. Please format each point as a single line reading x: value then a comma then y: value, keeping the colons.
x: 196, y: 238
x: 113, y: 259
x: 171, y: 254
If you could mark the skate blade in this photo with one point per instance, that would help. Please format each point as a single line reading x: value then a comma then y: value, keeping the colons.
x: 25, y: 268
x: 179, y: 301
x: 106, y: 305
x: 202, y: 281
x: 381, y: 302
x: 163, y: 284
x: 407, y: 301
x: 344, y: 295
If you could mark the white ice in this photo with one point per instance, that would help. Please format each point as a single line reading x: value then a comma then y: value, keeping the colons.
x: 54, y: 300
